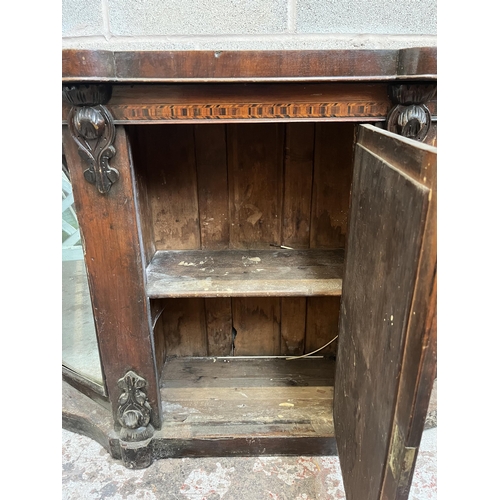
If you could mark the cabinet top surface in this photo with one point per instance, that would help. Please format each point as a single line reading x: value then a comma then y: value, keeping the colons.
x: 418, y: 63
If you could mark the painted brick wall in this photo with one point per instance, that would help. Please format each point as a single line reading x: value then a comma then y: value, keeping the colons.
x: 247, y: 24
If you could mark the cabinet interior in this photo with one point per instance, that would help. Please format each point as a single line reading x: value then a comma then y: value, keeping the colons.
x: 244, y: 228
x: 217, y: 204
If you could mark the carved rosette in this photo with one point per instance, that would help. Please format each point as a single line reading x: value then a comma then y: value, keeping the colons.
x: 410, y: 117
x: 134, y: 413
x: 92, y: 128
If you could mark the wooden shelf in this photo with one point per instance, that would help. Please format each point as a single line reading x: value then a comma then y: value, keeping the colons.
x: 268, y: 406
x: 245, y: 273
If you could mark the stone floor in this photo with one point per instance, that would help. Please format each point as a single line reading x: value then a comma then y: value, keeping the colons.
x: 89, y: 472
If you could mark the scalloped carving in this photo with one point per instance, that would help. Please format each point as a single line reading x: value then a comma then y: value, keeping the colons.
x: 87, y: 95
x: 410, y: 117
x: 412, y: 121
x: 412, y: 93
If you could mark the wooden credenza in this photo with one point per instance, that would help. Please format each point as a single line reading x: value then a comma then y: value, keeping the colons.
x: 240, y: 210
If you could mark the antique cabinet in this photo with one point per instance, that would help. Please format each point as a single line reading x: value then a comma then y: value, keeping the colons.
x: 239, y: 210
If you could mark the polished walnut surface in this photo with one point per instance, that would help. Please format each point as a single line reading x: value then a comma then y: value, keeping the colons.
x: 251, y: 66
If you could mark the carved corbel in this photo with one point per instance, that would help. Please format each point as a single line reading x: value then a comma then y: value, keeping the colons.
x: 410, y: 117
x: 134, y: 414
x: 92, y: 128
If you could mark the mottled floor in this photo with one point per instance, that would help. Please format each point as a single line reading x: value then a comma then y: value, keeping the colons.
x: 90, y: 473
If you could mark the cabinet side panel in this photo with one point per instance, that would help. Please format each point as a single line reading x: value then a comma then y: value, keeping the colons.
x: 160, y: 347
x: 143, y: 196
x: 167, y: 158
x: 255, y: 174
x: 184, y: 327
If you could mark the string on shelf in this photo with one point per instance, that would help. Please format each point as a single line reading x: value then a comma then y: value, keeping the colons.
x: 313, y: 352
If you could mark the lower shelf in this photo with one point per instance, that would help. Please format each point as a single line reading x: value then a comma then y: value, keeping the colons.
x: 231, y: 406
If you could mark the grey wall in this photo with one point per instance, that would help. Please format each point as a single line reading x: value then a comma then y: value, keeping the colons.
x: 247, y: 24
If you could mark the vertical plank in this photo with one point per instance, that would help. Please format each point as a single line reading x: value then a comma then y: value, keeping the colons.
x: 211, y: 165
x: 255, y: 173
x: 297, y: 194
x: 299, y: 160
x: 145, y: 213
x: 257, y: 323
x: 322, y: 323
x: 115, y: 262
x: 184, y: 327
x: 213, y: 200
x: 333, y: 164
x: 293, y: 325
x: 168, y: 155
x: 219, y: 321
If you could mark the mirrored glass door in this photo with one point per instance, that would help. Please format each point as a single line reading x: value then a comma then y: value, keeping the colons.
x: 80, y: 353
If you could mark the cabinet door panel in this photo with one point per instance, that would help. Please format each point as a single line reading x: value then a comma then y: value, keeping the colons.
x: 384, y: 329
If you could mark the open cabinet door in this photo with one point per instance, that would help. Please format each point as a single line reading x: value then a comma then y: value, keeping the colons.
x: 386, y: 361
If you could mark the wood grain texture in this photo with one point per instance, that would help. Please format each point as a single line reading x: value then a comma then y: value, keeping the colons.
x: 247, y: 65
x: 255, y: 176
x: 245, y: 445
x: 299, y: 162
x: 253, y: 398
x: 257, y: 324
x: 184, y: 327
x: 168, y: 158
x: 172, y: 191
x: 116, y: 272
x: 293, y: 326
x: 418, y: 369
x: 331, y: 187
x: 247, y: 372
x: 236, y: 273
x: 322, y: 324
x: 218, y: 313
x: 156, y: 307
x: 213, y: 198
x: 234, y: 102
x: 145, y: 210
x: 382, y: 262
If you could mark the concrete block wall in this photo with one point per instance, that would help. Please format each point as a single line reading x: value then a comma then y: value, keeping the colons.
x: 247, y: 24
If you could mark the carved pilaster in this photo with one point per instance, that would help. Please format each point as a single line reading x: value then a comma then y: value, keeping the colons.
x: 91, y: 126
x: 134, y: 414
x: 410, y: 117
